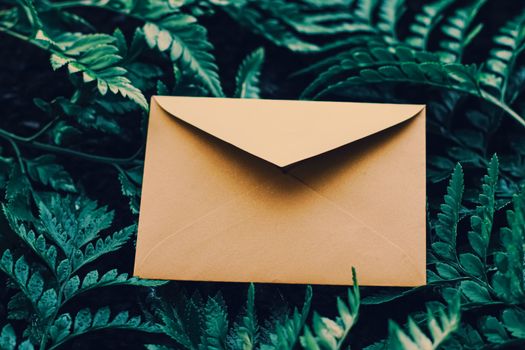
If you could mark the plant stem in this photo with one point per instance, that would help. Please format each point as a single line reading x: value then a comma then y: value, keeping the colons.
x: 26, y: 38
x: 503, y: 106
x: 29, y: 142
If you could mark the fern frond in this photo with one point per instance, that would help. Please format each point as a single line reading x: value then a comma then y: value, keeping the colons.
x: 494, y: 330
x: 245, y: 333
x: 187, y: 45
x: 247, y: 78
x: 342, y: 65
x: 425, y: 22
x: 296, y: 25
x: 365, y: 9
x: 130, y: 182
x: 96, y: 57
x: 510, y: 43
x: 458, y: 32
x: 390, y: 12
x: 514, y: 321
x: 8, y: 340
x: 100, y: 247
x: 37, y: 243
x: 183, y: 324
x: 77, y: 232
x: 440, y: 327
x: 286, y: 333
x: 509, y: 280
x: 71, y: 223
x: 331, y: 334
x: 74, y: 286
x: 31, y: 284
x: 66, y: 327
x: 395, y: 65
x: 215, y: 324
x: 401, y: 65
x: 447, y: 225
x: 314, y: 20
x: 481, y: 222
x: 46, y: 171
x: 272, y: 29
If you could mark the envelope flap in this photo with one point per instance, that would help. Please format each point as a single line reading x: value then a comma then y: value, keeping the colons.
x: 285, y: 132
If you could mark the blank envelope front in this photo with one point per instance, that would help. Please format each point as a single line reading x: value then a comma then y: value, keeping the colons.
x: 241, y: 190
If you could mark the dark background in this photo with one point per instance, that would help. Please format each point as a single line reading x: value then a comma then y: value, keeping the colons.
x: 25, y: 74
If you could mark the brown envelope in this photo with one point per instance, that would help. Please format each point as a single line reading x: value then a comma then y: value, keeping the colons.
x: 283, y: 191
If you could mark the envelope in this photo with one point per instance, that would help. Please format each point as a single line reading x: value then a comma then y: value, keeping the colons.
x: 246, y: 190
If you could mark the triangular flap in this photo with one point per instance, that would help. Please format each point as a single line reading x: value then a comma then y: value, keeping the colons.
x: 284, y: 132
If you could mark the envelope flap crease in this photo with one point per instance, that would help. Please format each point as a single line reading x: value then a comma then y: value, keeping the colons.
x: 285, y: 132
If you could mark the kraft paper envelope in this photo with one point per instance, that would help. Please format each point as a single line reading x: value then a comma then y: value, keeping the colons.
x: 283, y: 191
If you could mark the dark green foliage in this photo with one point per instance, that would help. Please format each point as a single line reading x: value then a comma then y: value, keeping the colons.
x: 64, y: 238
x: 247, y: 79
x: 329, y: 334
x: 440, y: 328
x: 509, y: 44
x: 186, y: 44
x: 204, y: 325
x: 79, y: 135
x: 393, y: 62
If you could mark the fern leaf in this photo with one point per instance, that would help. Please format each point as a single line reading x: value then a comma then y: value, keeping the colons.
x: 18, y: 194
x: 481, y: 222
x: 475, y: 292
x: 100, y: 247
x: 457, y: 29
x: 404, y: 66
x: 67, y: 327
x: 440, y: 327
x: 187, y: 45
x: 79, y: 238
x: 509, y: 279
x: 396, y: 65
x: 494, y: 330
x: 44, y: 301
x: 320, y: 19
x: 8, y: 340
x: 37, y: 243
x: 72, y: 222
x: 244, y: 335
x: 74, y: 286
x: 96, y: 57
x: 272, y: 29
x: 514, y: 322
x: 247, y: 79
x: 45, y: 170
x: 286, y: 333
x: 425, y: 22
x: 331, y: 334
x: 390, y: 13
x: 53, y: 230
x: 157, y: 347
x: 130, y: 185
x: 447, y: 225
x: 296, y: 25
x: 365, y: 10
x: 216, y: 324
x: 341, y: 66
x: 510, y: 43
x: 185, y: 323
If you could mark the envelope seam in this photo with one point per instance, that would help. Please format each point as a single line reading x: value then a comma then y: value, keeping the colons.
x: 197, y: 220
x: 409, y: 258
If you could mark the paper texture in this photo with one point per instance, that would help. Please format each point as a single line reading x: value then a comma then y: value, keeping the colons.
x: 277, y: 191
